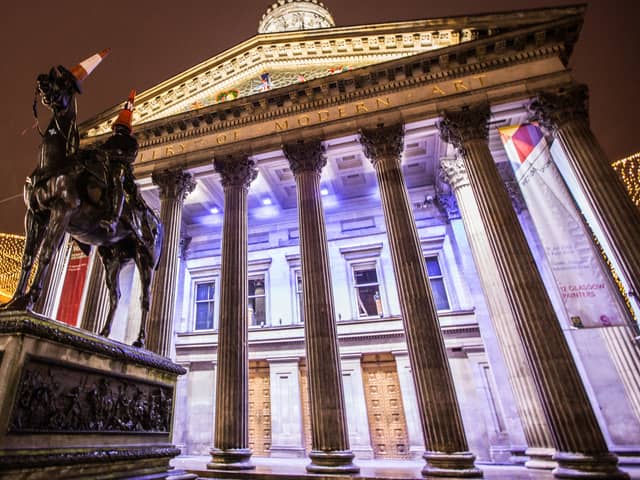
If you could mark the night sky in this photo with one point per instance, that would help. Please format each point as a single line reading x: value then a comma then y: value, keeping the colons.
x: 152, y: 41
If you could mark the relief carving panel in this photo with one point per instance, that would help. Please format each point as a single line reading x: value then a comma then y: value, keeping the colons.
x: 54, y: 398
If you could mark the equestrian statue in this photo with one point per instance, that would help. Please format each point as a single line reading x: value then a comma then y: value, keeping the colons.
x: 89, y: 194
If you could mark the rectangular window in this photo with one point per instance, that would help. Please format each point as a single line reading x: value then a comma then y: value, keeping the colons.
x: 367, y: 290
x: 257, y: 301
x: 299, y: 298
x: 205, y: 294
x: 437, y: 283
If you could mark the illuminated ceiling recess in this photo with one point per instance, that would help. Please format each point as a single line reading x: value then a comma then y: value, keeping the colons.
x: 292, y: 15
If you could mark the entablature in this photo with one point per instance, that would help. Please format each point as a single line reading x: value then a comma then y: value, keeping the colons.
x: 300, y: 56
x: 502, y: 68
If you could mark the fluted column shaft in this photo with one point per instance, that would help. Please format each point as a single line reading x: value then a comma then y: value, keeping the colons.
x: 580, y: 445
x: 96, y: 305
x: 231, y: 435
x: 174, y: 188
x: 439, y: 411
x: 534, y: 424
x: 565, y: 114
x: 54, y: 280
x: 330, y: 439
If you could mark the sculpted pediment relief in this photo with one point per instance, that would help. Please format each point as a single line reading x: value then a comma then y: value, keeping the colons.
x: 273, y: 61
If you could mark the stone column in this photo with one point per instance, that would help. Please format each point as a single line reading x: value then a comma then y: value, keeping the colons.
x: 96, y: 304
x: 535, y: 427
x: 330, y: 451
x: 231, y: 432
x: 565, y: 114
x: 54, y: 280
x: 447, y: 449
x: 174, y: 186
x: 581, y: 449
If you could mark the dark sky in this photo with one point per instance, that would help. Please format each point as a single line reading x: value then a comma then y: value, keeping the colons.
x: 153, y: 40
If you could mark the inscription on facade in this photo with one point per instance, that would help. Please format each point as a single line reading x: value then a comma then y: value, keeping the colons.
x: 316, y: 117
x: 60, y: 399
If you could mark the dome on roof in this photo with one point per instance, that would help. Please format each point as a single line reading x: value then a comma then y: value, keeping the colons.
x: 290, y: 15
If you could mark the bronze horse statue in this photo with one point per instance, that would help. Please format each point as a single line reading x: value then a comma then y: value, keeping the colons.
x: 74, y: 191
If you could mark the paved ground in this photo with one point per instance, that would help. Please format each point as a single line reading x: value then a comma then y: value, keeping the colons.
x: 290, y: 468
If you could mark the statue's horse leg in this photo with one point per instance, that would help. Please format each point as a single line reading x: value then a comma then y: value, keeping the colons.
x: 34, y: 230
x: 145, y: 264
x: 112, y: 265
x: 53, y: 235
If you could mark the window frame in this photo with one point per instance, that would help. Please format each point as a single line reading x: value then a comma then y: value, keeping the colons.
x: 442, y: 276
x: 256, y: 268
x: 198, y: 276
x: 359, y: 256
x: 298, y: 296
x: 371, y: 265
x: 257, y: 276
x: 210, y: 300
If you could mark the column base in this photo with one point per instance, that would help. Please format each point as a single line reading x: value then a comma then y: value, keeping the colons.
x: 230, y: 459
x: 457, y: 464
x: 540, y: 458
x: 593, y: 467
x: 337, y: 461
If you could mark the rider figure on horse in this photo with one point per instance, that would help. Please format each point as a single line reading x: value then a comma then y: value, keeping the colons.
x: 88, y: 193
x: 120, y: 151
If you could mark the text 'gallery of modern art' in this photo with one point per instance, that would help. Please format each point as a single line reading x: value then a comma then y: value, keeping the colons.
x: 382, y: 240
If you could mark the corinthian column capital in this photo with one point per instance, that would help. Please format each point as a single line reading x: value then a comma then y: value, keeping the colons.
x: 173, y: 183
x: 553, y: 109
x: 454, y: 172
x: 235, y: 170
x: 460, y: 126
x: 381, y: 142
x: 305, y: 156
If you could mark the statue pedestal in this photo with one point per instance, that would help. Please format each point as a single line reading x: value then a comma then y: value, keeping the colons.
x: 76, y: 405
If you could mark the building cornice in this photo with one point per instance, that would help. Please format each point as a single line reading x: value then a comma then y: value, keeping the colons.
x: 395, y: 39
x: 551, y: 40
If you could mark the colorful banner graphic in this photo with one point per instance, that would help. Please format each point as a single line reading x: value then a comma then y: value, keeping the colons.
x: 586, y: 288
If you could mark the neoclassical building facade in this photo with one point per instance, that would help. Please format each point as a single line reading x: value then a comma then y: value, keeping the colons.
x: 387, y: 241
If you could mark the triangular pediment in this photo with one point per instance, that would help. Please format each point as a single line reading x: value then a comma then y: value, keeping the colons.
x: 276, y: 60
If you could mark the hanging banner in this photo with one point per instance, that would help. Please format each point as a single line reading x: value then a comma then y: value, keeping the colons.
x: 73, y: 287
x: 586, y: 289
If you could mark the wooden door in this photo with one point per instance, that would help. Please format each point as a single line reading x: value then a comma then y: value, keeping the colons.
x: 259, y: 409
x: 387, y: 422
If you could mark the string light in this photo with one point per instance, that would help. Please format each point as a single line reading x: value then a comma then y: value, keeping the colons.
x: 11, y: 247
x: 629, y: 171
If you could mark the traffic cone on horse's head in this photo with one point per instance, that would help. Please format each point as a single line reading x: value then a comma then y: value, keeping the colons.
x: 124, y: 117
x: 82, y: 70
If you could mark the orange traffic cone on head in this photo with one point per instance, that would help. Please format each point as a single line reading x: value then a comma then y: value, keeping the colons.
x: 83, y: 69
x: 126, y: 114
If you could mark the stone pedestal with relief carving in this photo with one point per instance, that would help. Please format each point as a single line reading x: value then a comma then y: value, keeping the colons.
x: 76, y: 405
